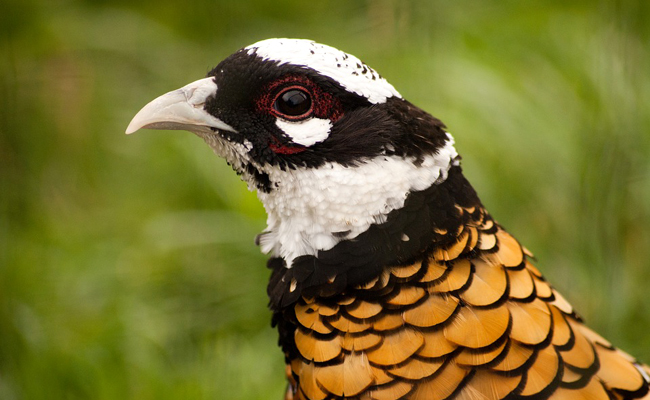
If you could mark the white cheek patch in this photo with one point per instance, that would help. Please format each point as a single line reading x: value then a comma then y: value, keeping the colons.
x: 307, y: 132
x: 346, y: 69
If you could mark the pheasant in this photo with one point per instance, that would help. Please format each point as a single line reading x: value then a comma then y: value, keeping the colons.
x: 390, y: 280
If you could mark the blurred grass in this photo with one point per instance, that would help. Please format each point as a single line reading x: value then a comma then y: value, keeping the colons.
x: 127, y: 264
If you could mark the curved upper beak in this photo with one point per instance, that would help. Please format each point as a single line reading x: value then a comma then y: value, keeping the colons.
x: 181, y: 109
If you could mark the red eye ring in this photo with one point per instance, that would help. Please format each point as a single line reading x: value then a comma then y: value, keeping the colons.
x: 293, y: 103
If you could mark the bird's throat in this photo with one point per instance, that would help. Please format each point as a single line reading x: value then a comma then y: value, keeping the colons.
x: 311, y: 210
x: 429, y: 217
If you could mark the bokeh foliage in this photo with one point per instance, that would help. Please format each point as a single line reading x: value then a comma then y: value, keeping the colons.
x: 127, y: 265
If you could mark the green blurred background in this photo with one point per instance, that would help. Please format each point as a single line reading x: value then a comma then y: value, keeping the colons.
x: 127, y: 264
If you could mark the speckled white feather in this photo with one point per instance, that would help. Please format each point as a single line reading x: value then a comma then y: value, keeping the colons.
x: 346, y: 69
x: 308, y: 206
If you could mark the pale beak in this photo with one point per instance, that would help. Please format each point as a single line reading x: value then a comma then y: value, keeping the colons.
x: 181, y: 109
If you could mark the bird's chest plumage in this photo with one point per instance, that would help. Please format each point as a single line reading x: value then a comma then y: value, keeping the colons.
x: 472, y: 316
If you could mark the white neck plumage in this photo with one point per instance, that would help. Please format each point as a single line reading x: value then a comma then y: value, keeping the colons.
x: 314, y: 209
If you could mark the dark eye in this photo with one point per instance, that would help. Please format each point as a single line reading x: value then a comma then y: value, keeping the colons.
x: 293, y: 103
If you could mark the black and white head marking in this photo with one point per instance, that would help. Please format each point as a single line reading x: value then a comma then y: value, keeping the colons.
x: 330, y: 146
x: 348, y: 70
